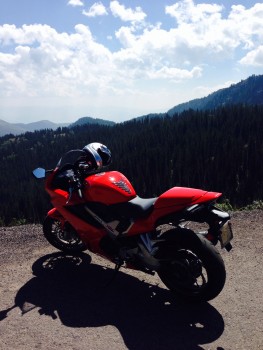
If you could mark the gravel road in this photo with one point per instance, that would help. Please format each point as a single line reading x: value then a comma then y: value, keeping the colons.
x: 50, y: 301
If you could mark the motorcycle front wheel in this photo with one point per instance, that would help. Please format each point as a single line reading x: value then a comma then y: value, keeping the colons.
x: 62, y: 236
x: 191, y: 267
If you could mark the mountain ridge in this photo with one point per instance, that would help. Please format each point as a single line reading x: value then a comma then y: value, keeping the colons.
x: 21, y: 128
x: 248, y: 91
x: 91, y: 120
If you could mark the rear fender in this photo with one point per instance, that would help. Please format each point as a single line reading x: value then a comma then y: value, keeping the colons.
x: 197, y: 213
x: 174, y: 233
x: 175, y: 238
x: 205, y: 213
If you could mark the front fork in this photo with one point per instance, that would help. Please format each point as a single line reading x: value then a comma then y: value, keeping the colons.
x: 55, y: 214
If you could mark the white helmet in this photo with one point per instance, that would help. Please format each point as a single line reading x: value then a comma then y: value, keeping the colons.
x: 98, y: 154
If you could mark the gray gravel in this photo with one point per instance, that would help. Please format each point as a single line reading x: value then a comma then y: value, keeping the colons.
x: 52, y: 302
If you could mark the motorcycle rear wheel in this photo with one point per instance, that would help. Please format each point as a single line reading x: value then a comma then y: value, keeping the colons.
x: 62, y: 237
x: 191, y: 267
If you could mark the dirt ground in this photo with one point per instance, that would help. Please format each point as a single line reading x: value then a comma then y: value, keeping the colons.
x: 52, y: 302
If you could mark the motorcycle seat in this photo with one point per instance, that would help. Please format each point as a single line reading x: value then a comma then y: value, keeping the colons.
x: 138, y: 207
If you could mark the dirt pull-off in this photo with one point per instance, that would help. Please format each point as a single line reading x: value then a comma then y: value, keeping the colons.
x: 52, y: 302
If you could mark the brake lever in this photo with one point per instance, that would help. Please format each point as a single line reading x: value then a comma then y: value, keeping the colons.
x: 75, y: 185
x: 80, y: 193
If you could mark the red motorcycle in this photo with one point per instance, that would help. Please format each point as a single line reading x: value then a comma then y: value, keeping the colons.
x: 100, y: 211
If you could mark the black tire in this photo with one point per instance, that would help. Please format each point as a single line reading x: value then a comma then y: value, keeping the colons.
x: 191, y: 267
x: 64, y: 238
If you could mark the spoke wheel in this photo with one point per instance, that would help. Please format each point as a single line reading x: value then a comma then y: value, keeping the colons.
x: 191, y: 267
x: 186, y: 273
x: 62, y: 236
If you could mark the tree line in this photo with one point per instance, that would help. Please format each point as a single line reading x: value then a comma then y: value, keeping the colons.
x: 218, y: 150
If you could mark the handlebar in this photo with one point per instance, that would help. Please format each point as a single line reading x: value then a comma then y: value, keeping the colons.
x: 83, y: 167
x: 75, y: 184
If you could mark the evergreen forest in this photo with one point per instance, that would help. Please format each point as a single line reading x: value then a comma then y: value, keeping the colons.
x: 218, y: 150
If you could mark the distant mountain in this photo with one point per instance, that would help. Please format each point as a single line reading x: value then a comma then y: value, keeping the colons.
x: 7, y: 128
x: 90, y: 120
x: 21, y: 128
x: 249, y: 92
x: 40, y: 125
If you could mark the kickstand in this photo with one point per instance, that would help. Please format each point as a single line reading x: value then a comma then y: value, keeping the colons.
x: 116, y: 270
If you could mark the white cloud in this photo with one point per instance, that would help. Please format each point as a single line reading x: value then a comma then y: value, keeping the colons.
x: 127, y: 14
x: 247, y: 24
x: 97, y: 9
x: 46, y: 62
x: 253, y: 58
x: 37, y: 61
x: 186, y: 11
x: 175, y: 74
x: 201, y: 38
x: 75, y: 3
x: 126, y: 36
x: 202, y: 30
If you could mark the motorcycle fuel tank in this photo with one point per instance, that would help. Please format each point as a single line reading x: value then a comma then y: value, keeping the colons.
x: 109, y: 187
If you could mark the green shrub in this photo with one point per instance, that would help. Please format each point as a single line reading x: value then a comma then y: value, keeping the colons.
x: 254, y: 205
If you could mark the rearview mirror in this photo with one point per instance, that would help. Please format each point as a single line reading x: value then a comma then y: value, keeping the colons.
x: 39, y: 173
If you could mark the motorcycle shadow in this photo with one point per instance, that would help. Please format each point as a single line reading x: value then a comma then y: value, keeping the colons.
x: 147, y: 316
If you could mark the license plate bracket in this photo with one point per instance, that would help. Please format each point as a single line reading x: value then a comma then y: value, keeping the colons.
x: 226, y: 234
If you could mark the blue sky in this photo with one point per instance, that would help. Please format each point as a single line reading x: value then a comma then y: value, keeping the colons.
x: 65, y: 59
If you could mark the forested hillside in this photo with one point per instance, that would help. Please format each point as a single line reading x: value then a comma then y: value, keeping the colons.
x: 248, y: 91
x: 90, y: 120
x: 220, y: 150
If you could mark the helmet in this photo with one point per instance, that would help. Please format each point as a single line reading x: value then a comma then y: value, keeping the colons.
x: 98, y: 154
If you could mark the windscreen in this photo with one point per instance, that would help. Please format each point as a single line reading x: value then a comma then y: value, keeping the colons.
x: 71, y: 157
